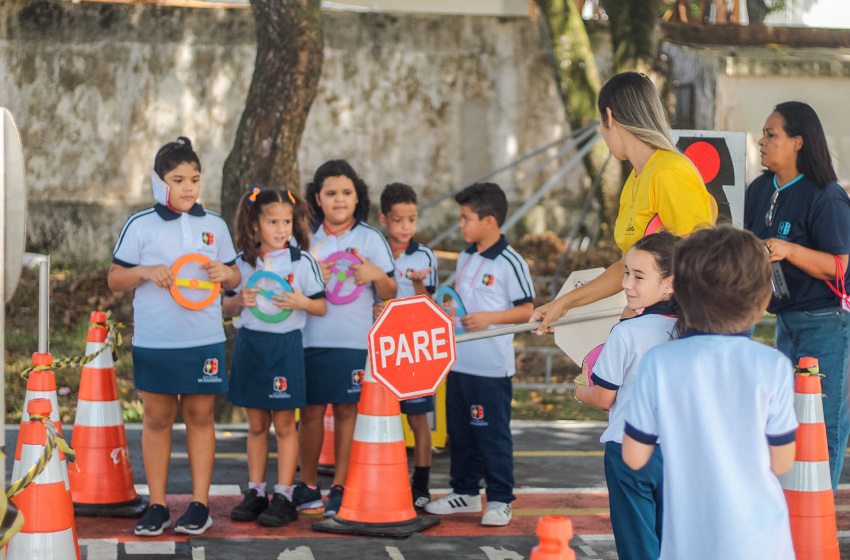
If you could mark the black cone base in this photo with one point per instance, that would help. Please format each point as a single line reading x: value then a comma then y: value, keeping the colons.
x: 133, y: 508
x: 400, y: 530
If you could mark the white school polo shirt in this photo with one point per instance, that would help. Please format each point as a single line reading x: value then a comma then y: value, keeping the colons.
x: 297, y: 267
x: 495, y: 280
x: 716, y: 402
x: 415, y: 257
x: 347, y: 325
x: 616, y: 367
x: 159, y: 235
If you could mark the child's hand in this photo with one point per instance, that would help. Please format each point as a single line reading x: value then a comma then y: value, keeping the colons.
x: 366, y: 272
x: 378, y: 308
x: 291, y: 300
x: 419, y: 275
x: 158, y: 274
x: 248, y: 297
x: 475, y: 321
x: 325, y: 266
x: 218, y: 271
x: 582, y: 378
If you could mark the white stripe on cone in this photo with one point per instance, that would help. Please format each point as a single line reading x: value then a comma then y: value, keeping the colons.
x: 43, y: 546
x: 807, y: 476
x: 98, y: 414
x: 809, y: 408
x: 49, y: 395
x: 54, y: 472
x: 378, y: 429
x: 103, y: 360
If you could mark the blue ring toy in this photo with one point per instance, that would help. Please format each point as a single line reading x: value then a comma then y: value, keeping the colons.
x: 455, y: 311
x: 266, y: 317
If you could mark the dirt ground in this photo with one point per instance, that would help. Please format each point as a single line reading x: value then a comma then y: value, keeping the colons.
x: 75, y: 294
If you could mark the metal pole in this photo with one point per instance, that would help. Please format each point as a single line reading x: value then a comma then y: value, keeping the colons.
x: 527, y: 327
x: 31, y: 260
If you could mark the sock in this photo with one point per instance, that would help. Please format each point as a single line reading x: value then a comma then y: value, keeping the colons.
x: 285, y: 490
x: 260, y: 487
x: 421, y: 478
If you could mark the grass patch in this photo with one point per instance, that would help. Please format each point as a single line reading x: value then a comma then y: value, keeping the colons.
x: 551, y: 404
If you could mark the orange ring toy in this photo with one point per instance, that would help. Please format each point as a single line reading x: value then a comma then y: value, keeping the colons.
x: 193, y: 283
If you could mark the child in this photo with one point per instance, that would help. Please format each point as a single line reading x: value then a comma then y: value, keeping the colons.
x: 335, y: 345
x: 721, y: 405
x: 178, y: 354
x: 635, y: 497
x: 267, y: 372
x: 495, y: 286
x: 415, y: 274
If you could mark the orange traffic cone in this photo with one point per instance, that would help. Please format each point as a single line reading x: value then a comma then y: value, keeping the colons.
x: 808, y: 485
x: 554, y: 533
x: 377, y: 499
x: 48, y: 532
x: 41, y: 384
x: 104, y: 483
x: 327, y: 458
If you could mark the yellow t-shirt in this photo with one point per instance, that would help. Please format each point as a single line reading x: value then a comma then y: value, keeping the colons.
x: 670, y: 187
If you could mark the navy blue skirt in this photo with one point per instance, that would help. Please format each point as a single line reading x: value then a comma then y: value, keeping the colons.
x: 417, y: 405
x: 180, y: 371
x: 267, y: 371
x: 334, y: 375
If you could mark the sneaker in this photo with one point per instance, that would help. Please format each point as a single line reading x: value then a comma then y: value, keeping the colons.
x: 498, y: 514
x: 420, y: 499
x: 195, y: 521
x: 334, y: 500
x: 455, y: 503
x: 156, y: 519
x: 305, y: 497
x: 280, y: 513
x: 251, y: 507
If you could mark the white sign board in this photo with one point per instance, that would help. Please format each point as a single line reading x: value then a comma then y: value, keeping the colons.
x: 14, y: 201
x: 577, y: 339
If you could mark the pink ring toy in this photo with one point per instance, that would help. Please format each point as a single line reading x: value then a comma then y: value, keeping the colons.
x: 340, y: 276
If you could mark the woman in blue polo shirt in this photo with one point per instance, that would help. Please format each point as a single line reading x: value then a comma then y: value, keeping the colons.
x: 803, y: 215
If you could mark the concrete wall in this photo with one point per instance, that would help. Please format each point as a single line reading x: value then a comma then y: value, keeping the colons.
x: 737, y: 87
x: 97, y: 88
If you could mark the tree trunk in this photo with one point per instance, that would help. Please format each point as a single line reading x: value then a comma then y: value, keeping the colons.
x: 633, y: 32
x: 286, y: 77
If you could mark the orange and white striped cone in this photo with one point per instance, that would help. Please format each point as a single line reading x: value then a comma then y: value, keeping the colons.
x: 808, y: 485
x: 103, y: 485
x: 554, y: 533
x: 48, y: 532
x: 41, y: 384
x: 377, y: 500
x: 327, y: 458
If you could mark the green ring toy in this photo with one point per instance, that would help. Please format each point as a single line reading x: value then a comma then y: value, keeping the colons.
x: 268, y: 317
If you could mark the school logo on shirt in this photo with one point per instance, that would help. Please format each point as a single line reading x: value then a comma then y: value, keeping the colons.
x: 783, y: 230
x: 488, y: 279
x: 408, y: 273
x: 207, y: 238
x: 290, y: 278
x: 477, y: 413
x: 280, y: 384
x: 211, y: 366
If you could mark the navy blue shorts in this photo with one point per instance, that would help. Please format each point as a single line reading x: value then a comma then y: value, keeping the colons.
x: 334, y: 375
x: 267, y: 371
x: 180, y: 371
x: 418, y: 405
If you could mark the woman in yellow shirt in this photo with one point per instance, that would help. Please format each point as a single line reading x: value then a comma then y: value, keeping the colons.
x: 663, y: 191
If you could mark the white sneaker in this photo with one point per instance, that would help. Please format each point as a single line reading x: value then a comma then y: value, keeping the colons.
x: 498, y: 514
x: 454, y: 503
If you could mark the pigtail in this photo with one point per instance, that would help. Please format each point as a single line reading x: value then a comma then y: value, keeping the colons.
x: 246, y: 220
x: 302, y: 219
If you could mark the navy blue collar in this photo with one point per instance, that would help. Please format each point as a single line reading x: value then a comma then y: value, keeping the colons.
x: 491, y: 252
x: 694, y: 332
x: 412, y: 248
x: 294, y: 252
x: 168, y: 214
x: 659, y: 308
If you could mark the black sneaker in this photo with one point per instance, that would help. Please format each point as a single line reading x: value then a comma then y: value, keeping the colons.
x: 420, y: 499
x: 334, y: 501
x: 305, y: 497
x: 195, y: 521
x: 280, y: 513
x: 156, y: 519
x: 251, y: 507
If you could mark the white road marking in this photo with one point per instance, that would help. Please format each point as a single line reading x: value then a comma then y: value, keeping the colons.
x: 500, y: 553
x: 153, y: 547
x: 395, y: 553
x: 300, y: 553
x: 100, y: 549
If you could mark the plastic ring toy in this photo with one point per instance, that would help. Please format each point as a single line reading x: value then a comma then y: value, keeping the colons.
x: 590, y: 360
x: 193, y: 283
x: 268, y: 294
x: 454, y: 308
x: 341, y: 276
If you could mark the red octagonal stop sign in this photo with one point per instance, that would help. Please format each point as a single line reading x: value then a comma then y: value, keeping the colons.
x: 412, y: 347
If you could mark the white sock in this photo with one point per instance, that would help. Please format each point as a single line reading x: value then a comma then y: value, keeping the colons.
x: 260, y: 487
x: 285, y: 490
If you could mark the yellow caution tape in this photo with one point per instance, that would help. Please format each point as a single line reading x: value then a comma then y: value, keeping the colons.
x: 11, y: 520
x: 54, y: 440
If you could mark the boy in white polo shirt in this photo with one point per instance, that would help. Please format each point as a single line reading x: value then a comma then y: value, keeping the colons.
x: 494, y: 285
x: 722, y: 406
